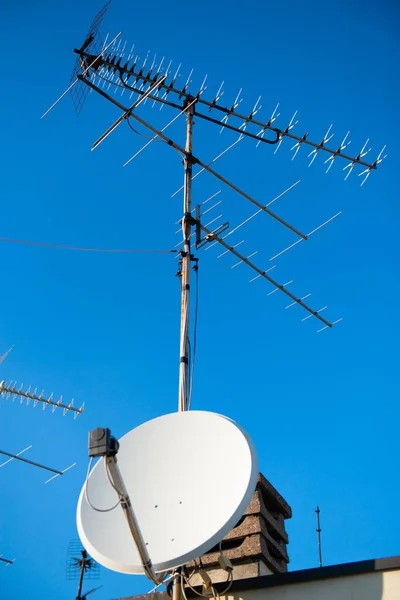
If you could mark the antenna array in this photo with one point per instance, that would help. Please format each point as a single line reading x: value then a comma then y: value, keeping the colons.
x: 77, y: 561
x: 154, y: 80
x: 124, y: 70
x: 83, y: 567
x: 94, y: 44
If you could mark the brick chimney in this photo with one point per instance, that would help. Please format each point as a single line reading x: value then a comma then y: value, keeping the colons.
x: 257, y: 544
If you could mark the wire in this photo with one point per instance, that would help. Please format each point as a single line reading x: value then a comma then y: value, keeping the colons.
x: 202, y: 595
x: 228, y: 587
x: 78, y: 248
x: 195, y: 591
x: 109, y: 81
x: 214, y: 592
x: 154, y: 138
x: 143, y: 134
x: 126, y: 87
x: 189, y: 383
x: 102, y: 510
x: 193, y: 358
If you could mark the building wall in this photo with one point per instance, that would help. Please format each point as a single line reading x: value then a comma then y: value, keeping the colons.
x: 369, y: 586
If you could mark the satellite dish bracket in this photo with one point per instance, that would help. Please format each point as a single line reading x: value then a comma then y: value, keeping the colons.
x: 103, y: 444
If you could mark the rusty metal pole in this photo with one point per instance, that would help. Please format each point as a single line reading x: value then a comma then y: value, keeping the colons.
x: 82, y: 573
x: 187, y: 221
x: 176, y: 590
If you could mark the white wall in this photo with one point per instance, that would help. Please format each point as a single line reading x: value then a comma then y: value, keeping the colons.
x: 382, y: 585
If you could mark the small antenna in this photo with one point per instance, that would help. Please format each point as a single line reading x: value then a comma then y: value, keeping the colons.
x: 317, y: 511
x: 10, y: 390
x: 6, y: 560
x: 81, y: 566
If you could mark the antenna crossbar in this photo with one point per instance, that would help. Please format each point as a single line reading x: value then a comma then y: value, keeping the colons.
x: 30, y: 462
x: 212, y: 236
x: 128, y: 113
x: 35, y: 464
x: 112, y: 63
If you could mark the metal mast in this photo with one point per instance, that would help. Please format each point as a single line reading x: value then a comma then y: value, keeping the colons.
x: 187, y: 222
x: 82, y: 573
x: 317, y: 511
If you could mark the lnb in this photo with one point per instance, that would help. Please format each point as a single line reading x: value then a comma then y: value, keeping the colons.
x: 102, y: 443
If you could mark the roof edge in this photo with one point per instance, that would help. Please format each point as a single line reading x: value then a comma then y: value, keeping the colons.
x: 315, y: 574
x: 306, y: 575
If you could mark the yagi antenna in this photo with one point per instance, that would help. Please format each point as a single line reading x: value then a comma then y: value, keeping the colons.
x: 34, y: 464
x: 12, y: 391
x: 118, y: 72
x: 6, y: 561
x: 107, y: 69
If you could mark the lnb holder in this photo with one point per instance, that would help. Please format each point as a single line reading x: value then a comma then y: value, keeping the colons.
x: 102, y: 443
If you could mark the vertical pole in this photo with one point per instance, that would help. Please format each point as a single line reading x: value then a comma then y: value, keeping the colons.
x: 183, y: 400
x: 317, y: 511
x: 176, y: 590
x: 83, y: 565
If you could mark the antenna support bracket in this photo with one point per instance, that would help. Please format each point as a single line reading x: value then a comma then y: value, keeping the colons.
x: 210, y: 236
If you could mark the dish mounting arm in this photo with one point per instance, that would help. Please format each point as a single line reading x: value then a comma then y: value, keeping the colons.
x: 103, y: 444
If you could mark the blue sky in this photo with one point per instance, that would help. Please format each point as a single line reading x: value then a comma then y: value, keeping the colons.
x: 323, y: 408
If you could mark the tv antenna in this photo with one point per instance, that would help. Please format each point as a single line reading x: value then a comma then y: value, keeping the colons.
x: 100, y: 67
x: 81, y: 566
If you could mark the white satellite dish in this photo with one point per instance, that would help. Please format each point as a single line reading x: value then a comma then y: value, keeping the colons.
x: 189, y: 475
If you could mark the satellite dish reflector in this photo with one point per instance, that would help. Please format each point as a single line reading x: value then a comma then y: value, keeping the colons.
x: 189, y: 475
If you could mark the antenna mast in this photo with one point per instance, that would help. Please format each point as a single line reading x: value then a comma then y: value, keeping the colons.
x: 186, y: 258
x: 317, y: 511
